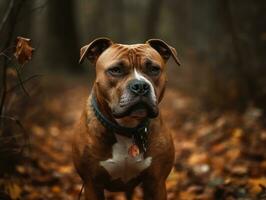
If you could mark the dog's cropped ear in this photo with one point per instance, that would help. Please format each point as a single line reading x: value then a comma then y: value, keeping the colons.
x: 93, y: 50
x: 164, y: 49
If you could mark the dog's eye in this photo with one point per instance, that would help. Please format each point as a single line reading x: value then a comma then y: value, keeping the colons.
x: 154, y: 70
x: 116, y: 71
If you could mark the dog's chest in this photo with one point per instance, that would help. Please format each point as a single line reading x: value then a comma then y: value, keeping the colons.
x: 122, y: 165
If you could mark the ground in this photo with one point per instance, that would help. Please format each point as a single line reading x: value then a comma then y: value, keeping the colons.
x: 219, y: 154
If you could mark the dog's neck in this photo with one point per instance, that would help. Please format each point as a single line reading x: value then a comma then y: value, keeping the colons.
x: 128, y: 122
x: 109, y: 122
x: 139, y: 134
x: 102, y: 106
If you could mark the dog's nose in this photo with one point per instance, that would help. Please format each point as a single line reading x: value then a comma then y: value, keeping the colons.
x: 139, y: 87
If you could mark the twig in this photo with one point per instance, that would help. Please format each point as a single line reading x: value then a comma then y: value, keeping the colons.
x: 24, y: 81
x: 16, y: 121
x: 80, y: 192
x: 21, y: 67
x: 6, y: 56
x: 3, y: 52
x: 21, y: 83
x: 4, y: 89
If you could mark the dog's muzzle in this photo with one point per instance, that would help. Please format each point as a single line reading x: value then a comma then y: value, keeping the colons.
x: 137, y: 98
x: 139, y: 87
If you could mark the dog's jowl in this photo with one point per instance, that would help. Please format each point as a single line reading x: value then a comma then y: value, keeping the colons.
x: 121, y: 140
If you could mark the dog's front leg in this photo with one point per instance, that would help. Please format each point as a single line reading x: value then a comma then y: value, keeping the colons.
x: 92, y: 192
x: 154, y: 189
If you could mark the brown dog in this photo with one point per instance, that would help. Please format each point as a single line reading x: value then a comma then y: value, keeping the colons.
x: 121, y: 140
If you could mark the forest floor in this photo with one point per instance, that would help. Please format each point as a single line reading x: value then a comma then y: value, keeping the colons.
x: 219, y: 155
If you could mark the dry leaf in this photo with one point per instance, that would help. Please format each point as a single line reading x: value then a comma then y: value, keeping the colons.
x: 21, y: 169
x: 14, y: 190
x: 198, y: 158
x: 56, y: 189
x: 255, y: 184
x: 237, y: 134
x: 239, y: 170
x: 23, y: 51
x: 66, y: 169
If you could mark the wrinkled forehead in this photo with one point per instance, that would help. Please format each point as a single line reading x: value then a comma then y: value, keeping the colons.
x: 131, y: 55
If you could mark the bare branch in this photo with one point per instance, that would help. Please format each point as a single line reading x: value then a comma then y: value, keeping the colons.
x: 21, y: 83
x: 4, y: 51
x: 24, y: 81
x: 13, y: 18
x: 3, y: 54
x: 16, y: 121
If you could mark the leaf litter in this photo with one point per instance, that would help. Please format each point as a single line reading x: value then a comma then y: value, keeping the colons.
x: 219, y: 155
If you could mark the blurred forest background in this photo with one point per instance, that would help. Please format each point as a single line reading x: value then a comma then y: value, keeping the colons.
x: 215, y: 105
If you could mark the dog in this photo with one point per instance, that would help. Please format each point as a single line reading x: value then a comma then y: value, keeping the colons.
x: 121, y: 140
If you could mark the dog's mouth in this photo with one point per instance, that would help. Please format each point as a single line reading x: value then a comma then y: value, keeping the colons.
x: 137, y: 108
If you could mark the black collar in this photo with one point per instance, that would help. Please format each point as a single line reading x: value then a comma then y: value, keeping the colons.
x: 138, y: 133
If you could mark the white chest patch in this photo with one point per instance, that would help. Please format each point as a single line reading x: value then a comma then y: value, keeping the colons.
x: 122, y: 165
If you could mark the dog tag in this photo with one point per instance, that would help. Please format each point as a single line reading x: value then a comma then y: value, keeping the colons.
x: 133, y: 150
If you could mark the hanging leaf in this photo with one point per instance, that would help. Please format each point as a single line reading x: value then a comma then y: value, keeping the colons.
x: 24, y: 51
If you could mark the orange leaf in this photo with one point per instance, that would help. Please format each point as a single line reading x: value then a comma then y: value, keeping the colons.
x: 14, y: 190
x: 23, y: 51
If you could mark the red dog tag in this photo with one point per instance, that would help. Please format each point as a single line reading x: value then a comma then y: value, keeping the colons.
x: 133, y: 150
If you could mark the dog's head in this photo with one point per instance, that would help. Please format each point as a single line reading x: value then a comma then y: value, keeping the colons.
x: 130, y: 79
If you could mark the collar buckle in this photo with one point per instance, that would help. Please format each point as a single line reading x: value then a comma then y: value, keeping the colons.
x: 142, y: 129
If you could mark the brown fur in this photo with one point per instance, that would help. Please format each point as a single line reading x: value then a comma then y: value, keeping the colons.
x: 93, y: 142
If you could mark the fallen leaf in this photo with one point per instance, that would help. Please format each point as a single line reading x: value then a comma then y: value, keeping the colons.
x: 256, y: 184
x: 21, y: 169
x: 66, y: 169
x: 201, y: 169
x: 239, y: 170
x: 14, y: 190
x: 198, y: 158
x: 56, y: 189
x: 237, y: 134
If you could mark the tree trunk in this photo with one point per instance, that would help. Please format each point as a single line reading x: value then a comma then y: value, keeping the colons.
x: 181, y: 13
x: 152, y: 19
x: 244, y: 83
x: 118, y: 20
x: 97, y: 26
x: 63, y: 47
